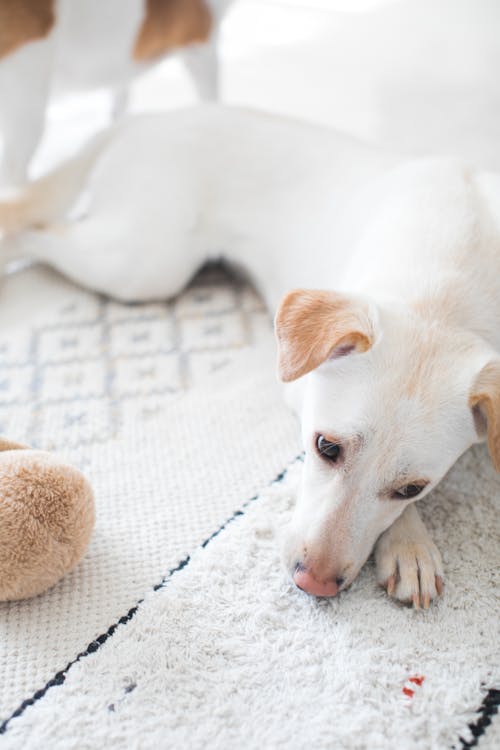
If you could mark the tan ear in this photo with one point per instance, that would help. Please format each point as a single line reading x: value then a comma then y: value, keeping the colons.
x: 9, y: 445
x: 312, y: 326
x: 485, y: 399
x: 168, y: 24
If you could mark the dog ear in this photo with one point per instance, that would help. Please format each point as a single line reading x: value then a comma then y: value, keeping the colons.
x: 10, y: 445
x: 485, y: 403
x: 313, y: 326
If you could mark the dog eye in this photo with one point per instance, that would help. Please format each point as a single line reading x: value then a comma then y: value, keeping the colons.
x: 408, y: 491
x: 327, y: 449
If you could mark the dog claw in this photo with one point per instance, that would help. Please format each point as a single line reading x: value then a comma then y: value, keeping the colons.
x: 409, y: 569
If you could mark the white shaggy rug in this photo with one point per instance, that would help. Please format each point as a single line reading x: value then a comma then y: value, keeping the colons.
x: 228, y: 654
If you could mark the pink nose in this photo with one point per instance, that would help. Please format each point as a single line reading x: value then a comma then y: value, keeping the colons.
x: 305, y: 581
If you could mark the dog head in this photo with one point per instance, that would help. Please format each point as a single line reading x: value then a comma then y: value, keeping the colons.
x: 389, y: 401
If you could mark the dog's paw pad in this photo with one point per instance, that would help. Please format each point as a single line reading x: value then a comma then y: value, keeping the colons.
x: 410, y: 571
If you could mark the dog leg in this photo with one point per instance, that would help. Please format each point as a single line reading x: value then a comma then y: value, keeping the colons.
x: 408, y: 562
x: 119, y: 102
x: 24, y: 84
x: 202, y: 62
x: 95, y: 253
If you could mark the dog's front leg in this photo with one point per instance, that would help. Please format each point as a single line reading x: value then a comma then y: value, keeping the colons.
x: 119, y: 101
x: 24, y: 86
x: 408, y: 562
x: 202, y: 62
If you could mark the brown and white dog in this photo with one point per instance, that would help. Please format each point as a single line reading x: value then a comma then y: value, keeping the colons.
x: 390, y: 341
x: 51, y: 45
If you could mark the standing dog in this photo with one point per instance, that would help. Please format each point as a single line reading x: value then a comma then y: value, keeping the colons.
x: 390, y: 338
x: 48, y: 45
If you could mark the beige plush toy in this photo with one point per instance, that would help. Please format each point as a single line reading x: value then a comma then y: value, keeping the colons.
x: 46, y: 520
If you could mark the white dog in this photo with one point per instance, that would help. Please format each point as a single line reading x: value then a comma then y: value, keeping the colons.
x: 58, y: 45
x: 392, y: 332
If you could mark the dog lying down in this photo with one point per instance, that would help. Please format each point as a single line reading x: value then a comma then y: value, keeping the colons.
x: 389, y: 339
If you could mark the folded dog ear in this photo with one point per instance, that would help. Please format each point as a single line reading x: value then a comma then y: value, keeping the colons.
x: 313, y: 326
x: 485, y: 403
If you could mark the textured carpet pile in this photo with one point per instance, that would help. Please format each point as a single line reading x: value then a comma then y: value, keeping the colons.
x: 228, y: 654
x: 171, y: 450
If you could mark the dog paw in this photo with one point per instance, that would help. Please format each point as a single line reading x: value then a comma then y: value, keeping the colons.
x: 410, y: 571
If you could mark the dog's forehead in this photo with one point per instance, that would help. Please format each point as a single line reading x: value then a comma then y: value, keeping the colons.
x: 336, y: 396
x: 359, y: 407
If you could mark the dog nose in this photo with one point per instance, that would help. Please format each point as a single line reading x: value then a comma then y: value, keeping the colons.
x: 304, y: 580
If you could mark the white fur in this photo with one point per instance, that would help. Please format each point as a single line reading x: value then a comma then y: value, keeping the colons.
x: 297, y: 205
x: 90, y: 46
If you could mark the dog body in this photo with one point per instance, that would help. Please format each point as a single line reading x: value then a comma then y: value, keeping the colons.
x: 390, y: 340
x: 54, y: 46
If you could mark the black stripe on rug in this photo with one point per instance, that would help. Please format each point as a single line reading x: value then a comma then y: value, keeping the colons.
x: 60, y: 677
x: 488, y: 709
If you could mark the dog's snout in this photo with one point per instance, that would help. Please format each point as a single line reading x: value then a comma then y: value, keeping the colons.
x: 306, y: 580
